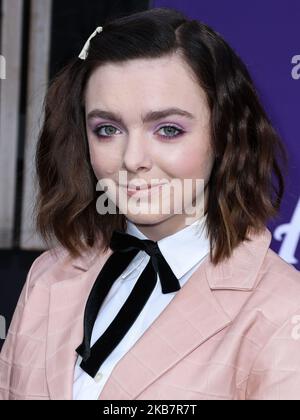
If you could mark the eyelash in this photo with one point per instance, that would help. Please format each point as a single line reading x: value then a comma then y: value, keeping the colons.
x: 164, y: 126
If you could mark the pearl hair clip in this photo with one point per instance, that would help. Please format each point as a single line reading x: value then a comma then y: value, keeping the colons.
x: 84, y: 53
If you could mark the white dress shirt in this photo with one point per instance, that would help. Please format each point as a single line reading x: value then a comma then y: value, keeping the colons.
x: 184, y: 252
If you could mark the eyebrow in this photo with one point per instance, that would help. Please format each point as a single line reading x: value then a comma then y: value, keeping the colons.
x: 149, y: 117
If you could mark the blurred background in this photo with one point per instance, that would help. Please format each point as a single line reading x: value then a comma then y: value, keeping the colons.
x: 38, y: 37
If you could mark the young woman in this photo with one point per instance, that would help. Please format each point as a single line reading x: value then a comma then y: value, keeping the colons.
x: 136, y: 302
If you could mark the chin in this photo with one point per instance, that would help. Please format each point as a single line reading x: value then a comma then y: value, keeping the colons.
x: 147, y: 219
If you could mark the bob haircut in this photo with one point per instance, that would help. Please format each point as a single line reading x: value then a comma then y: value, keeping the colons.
x: 242, y: 194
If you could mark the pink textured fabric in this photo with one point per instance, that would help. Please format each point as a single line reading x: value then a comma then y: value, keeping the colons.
x: 231, y: 332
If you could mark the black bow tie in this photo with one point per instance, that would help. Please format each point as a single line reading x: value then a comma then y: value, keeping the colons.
x: 125, y: 248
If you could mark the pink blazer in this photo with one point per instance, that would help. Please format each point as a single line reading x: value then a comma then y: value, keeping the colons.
x: 232, y: 332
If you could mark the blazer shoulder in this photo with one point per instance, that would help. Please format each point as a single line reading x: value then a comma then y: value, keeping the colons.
x: 276, y: 266
x: 278, y: 288
x: 45, y: 263
x: 49, y: 267
x: 56, y: 265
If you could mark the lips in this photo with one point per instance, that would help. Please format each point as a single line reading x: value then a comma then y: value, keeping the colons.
x: 135, y: 188
x: 143, y: 192
x: 144, y: 189
x: 140, y: 188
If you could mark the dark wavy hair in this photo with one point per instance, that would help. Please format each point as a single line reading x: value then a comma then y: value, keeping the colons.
x: 246, y: 184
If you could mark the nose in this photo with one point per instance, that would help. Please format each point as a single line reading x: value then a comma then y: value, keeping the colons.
x: 137, y: 155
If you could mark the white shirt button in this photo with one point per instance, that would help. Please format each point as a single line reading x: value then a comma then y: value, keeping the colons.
x: 98, y: 377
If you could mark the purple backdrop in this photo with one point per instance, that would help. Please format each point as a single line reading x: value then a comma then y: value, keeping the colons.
x: 266, y: 36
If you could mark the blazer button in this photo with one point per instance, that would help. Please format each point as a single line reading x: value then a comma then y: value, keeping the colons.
x: 98, y: 377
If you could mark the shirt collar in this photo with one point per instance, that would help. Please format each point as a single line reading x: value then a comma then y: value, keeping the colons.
x: 182, y: 250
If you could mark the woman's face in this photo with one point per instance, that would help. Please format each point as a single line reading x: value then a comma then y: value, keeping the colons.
x: 134, y: 149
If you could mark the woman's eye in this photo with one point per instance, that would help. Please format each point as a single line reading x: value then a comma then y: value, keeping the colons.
x: 169, y: 130
x: 107, y: 130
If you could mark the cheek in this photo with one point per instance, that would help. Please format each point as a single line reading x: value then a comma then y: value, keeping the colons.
x: 104, y: 162
x: 96, y: 161
x: 195, y: 161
